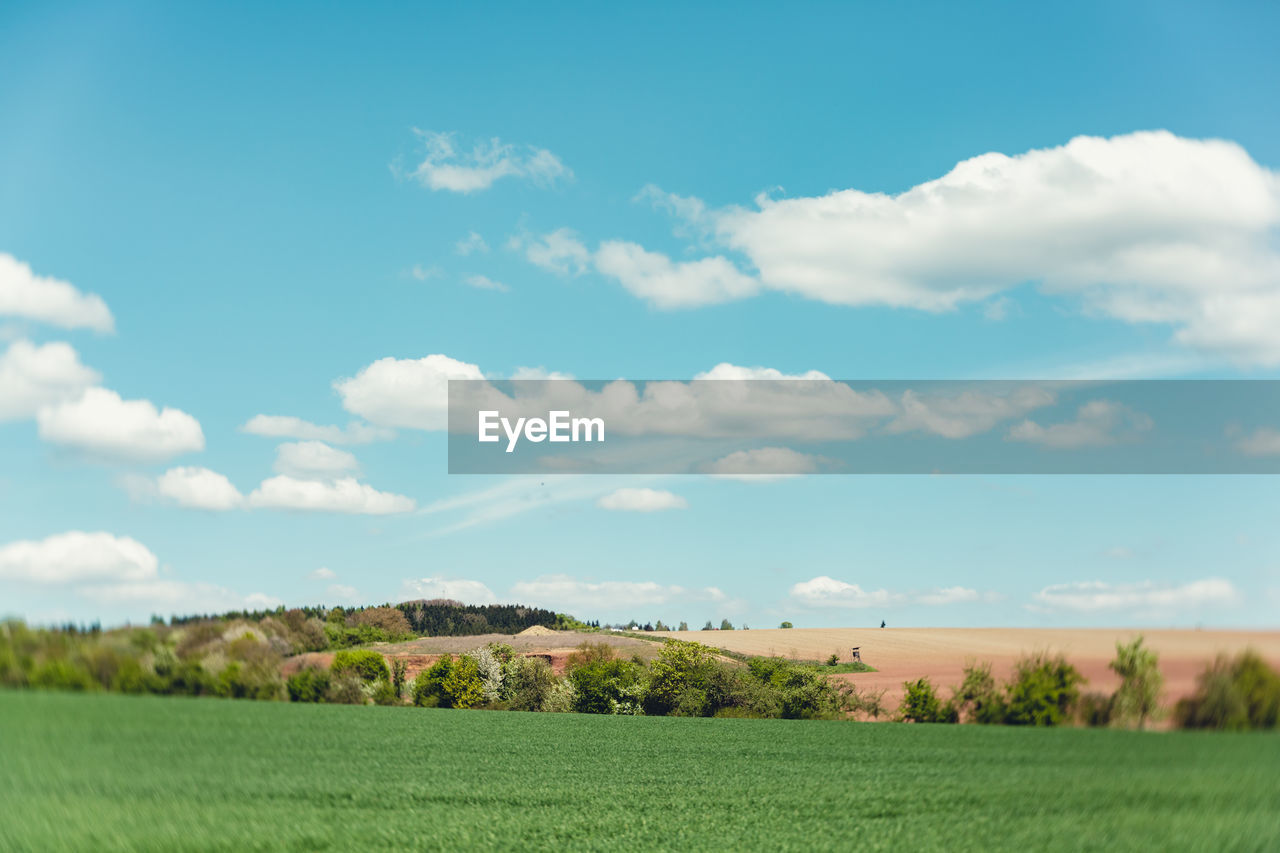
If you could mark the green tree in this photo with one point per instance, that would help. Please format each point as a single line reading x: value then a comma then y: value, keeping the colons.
x: 785, y: 625
x: 920, y: 704
x: 365, y: 663
x: 1138, y: 696
x: 449, y: 683
x: 978, y: 697
x: 1234, y: 694
x: 726, y: 625
x: 1043, y: 691
x: 684, y: 626
x: 680, y: 679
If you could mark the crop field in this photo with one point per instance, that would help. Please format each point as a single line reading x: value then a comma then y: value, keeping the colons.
x: 112, y: 772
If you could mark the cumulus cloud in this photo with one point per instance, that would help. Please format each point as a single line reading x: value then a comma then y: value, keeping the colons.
x: 77, y: 556
x: 1146, y: 228
x: 28, y: 296
x: 562, y: 592
x: 471, y: 244
x: 1148, y: 596
x: 483, y: 282
x: 34, y: 376
x: 313, y: 459
x: 412, y: 393
x: 101, y: 423
x: 459, y: 589
x: 673, y: 284
x: 287, y: 426
x: 560, y: 251
x: 1098, y: 423
x: 345, y: 495
x: 1261, y: 442
x: 641, y: 500
x: 343, y: 592
x: 199, y: 488
x: 444, y: 167
x: 763, y: 464
x: 827, y: 592
x: 177, y: 596
x: 965, y: 414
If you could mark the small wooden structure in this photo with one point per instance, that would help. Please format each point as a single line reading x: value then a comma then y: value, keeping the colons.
x: 857, y: 655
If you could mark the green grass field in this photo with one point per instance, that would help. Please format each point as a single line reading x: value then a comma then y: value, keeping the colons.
x: 111, y: 772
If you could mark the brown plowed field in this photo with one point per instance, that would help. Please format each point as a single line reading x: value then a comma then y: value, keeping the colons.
x: 902, y: 654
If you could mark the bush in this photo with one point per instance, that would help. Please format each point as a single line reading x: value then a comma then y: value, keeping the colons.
x: 920, y: 704
x: 608, y: 687
x: 527, y: 684
x: 308, y: 685
x: 1043, y: 691
x: 62, y: 675
x: 1138, y: 696
x: 1096, y: 709
x: 792, y: 692
x: 384, y: 693
x: 1233, y: 694
x: 450, y: 683
x: 978, y: 699
x: 346, y: 689
x: 368, y: 665
x: 680, y: 681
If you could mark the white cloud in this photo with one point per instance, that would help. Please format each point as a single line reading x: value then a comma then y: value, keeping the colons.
x: 322, y: 574
x: 458, y: 589
x: 34, y: 376
x: 343, y: 592
x: 725, y: 370
x: 199, y: 488
x: 176, y: 596
x: 642, y: 500
x: 538, y: 373
x: 1146, y: 228
x: 471, y: 244
x: 77, y: 556
x: 1147, y: 596
x: 967, y: 413
x: 287, y: 426
x: 826, y: 591
x: 483, y: 282
x: 445, y: 168
x: 560, y: 251
x: 763, y: 464
x: 412, y: 393
x: 49, y: 300
x: 666, y: 284
x: 101, y: 423
x: 1098, y: 423
x: 1262, y: 442
x: 421, y: 273
x: 516, y: 496
x: 345, y: 495
x: 313, y: 459
x: 562, y: 592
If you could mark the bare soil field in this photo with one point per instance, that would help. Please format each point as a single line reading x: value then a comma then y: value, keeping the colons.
x: 903, y: 654
x: 555, y: 646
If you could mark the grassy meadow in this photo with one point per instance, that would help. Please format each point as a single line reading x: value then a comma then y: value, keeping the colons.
x: 112, y: 772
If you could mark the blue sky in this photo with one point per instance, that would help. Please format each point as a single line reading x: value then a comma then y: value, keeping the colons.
x: 269, y: 201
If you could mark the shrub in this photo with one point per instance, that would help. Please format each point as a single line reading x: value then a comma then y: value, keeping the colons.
x: 680, y: 681
x: 793, y: 692
x: 920, y: 704
x: 346, y: 689
x: 785, y: 625
x: 833, y: 660
x: 978, y: 699
x: 489, y: 668
x: 588, y: 653
x: 527, y: 684
x: 450, y: 683
x: 1096, y: 709
x: 1234, y: 694
x: 608, y: 687
x: 308, y: 685
x: 384, y: 693
x: 1043, y: 691
x: 61, y: 674
x: 368, y: 665
x: 1138, y: 696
